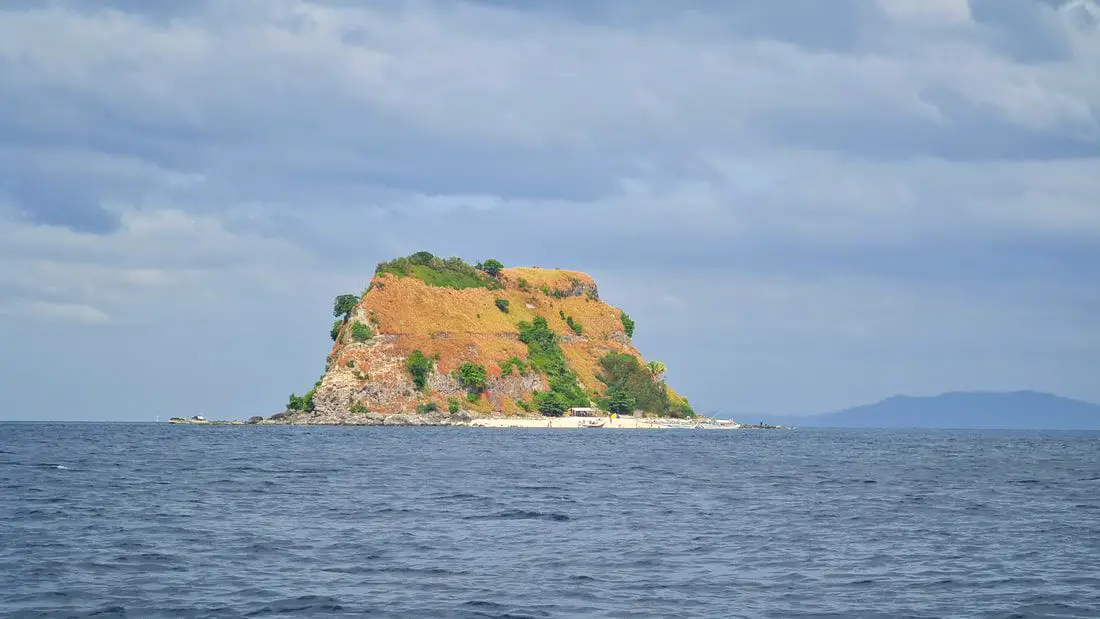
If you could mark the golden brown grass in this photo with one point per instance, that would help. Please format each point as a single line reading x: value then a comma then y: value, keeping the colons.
x: 466, y: 326
x: 551, y: 278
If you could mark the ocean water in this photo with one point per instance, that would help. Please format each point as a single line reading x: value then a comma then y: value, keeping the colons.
x: 143, y: 520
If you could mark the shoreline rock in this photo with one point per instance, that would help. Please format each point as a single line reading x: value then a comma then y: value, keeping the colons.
x: 443, y: 419
x: 346, y: 418
x: 199, y: 421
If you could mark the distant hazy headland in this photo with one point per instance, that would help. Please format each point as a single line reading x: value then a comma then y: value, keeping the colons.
x: 964, y: 410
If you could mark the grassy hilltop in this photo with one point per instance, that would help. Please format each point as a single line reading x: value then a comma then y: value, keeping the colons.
x: 439, y: 334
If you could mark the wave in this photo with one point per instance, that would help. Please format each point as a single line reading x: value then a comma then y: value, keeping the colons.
x: 521, y: 514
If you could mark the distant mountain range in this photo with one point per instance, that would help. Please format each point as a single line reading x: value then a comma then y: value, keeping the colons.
x: 964, y: 410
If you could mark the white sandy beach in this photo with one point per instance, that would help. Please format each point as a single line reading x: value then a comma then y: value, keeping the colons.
x: 573, y: 423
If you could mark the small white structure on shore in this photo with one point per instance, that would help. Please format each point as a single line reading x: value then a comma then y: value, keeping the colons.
x: 582, y: 411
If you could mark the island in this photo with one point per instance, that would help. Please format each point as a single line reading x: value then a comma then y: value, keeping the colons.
x: 439, y: 341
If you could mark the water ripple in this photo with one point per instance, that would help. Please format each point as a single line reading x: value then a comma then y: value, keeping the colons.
x: 155, y: 521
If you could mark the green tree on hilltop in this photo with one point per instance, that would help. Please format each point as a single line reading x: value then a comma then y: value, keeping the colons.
x: 491, y: 267
x: 436, y: 271
x: 422, y: 258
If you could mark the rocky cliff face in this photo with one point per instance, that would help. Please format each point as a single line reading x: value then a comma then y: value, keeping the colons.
x: 474, y: 325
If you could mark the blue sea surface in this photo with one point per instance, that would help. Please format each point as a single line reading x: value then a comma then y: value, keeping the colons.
x: 144, y: 520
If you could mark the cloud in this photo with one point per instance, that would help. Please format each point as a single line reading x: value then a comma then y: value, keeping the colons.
x: 252, y: 76
x: 171, y: 163
x: 57, y: 312
x: 52, y: 204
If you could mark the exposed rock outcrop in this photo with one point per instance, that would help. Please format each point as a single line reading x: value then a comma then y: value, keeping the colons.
x: 346, y: 418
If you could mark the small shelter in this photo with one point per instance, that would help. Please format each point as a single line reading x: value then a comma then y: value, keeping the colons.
x: 582, y: 411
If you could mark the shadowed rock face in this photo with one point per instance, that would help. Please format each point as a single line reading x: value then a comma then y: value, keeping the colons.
x: 453, y: 327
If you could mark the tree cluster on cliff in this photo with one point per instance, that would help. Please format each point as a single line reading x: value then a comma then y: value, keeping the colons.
x: 545, y: 354
x: 343, y: 305
x: 474, y: 378
x: 419, y: 367
x: 628, y: 380
x: 628, y: 324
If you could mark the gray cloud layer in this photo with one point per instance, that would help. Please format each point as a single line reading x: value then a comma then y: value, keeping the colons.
x: 829, y: 202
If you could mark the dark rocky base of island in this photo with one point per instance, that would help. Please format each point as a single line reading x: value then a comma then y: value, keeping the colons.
x: 483, y: 420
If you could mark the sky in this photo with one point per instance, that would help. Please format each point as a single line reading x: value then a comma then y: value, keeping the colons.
x: 805, y: 205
